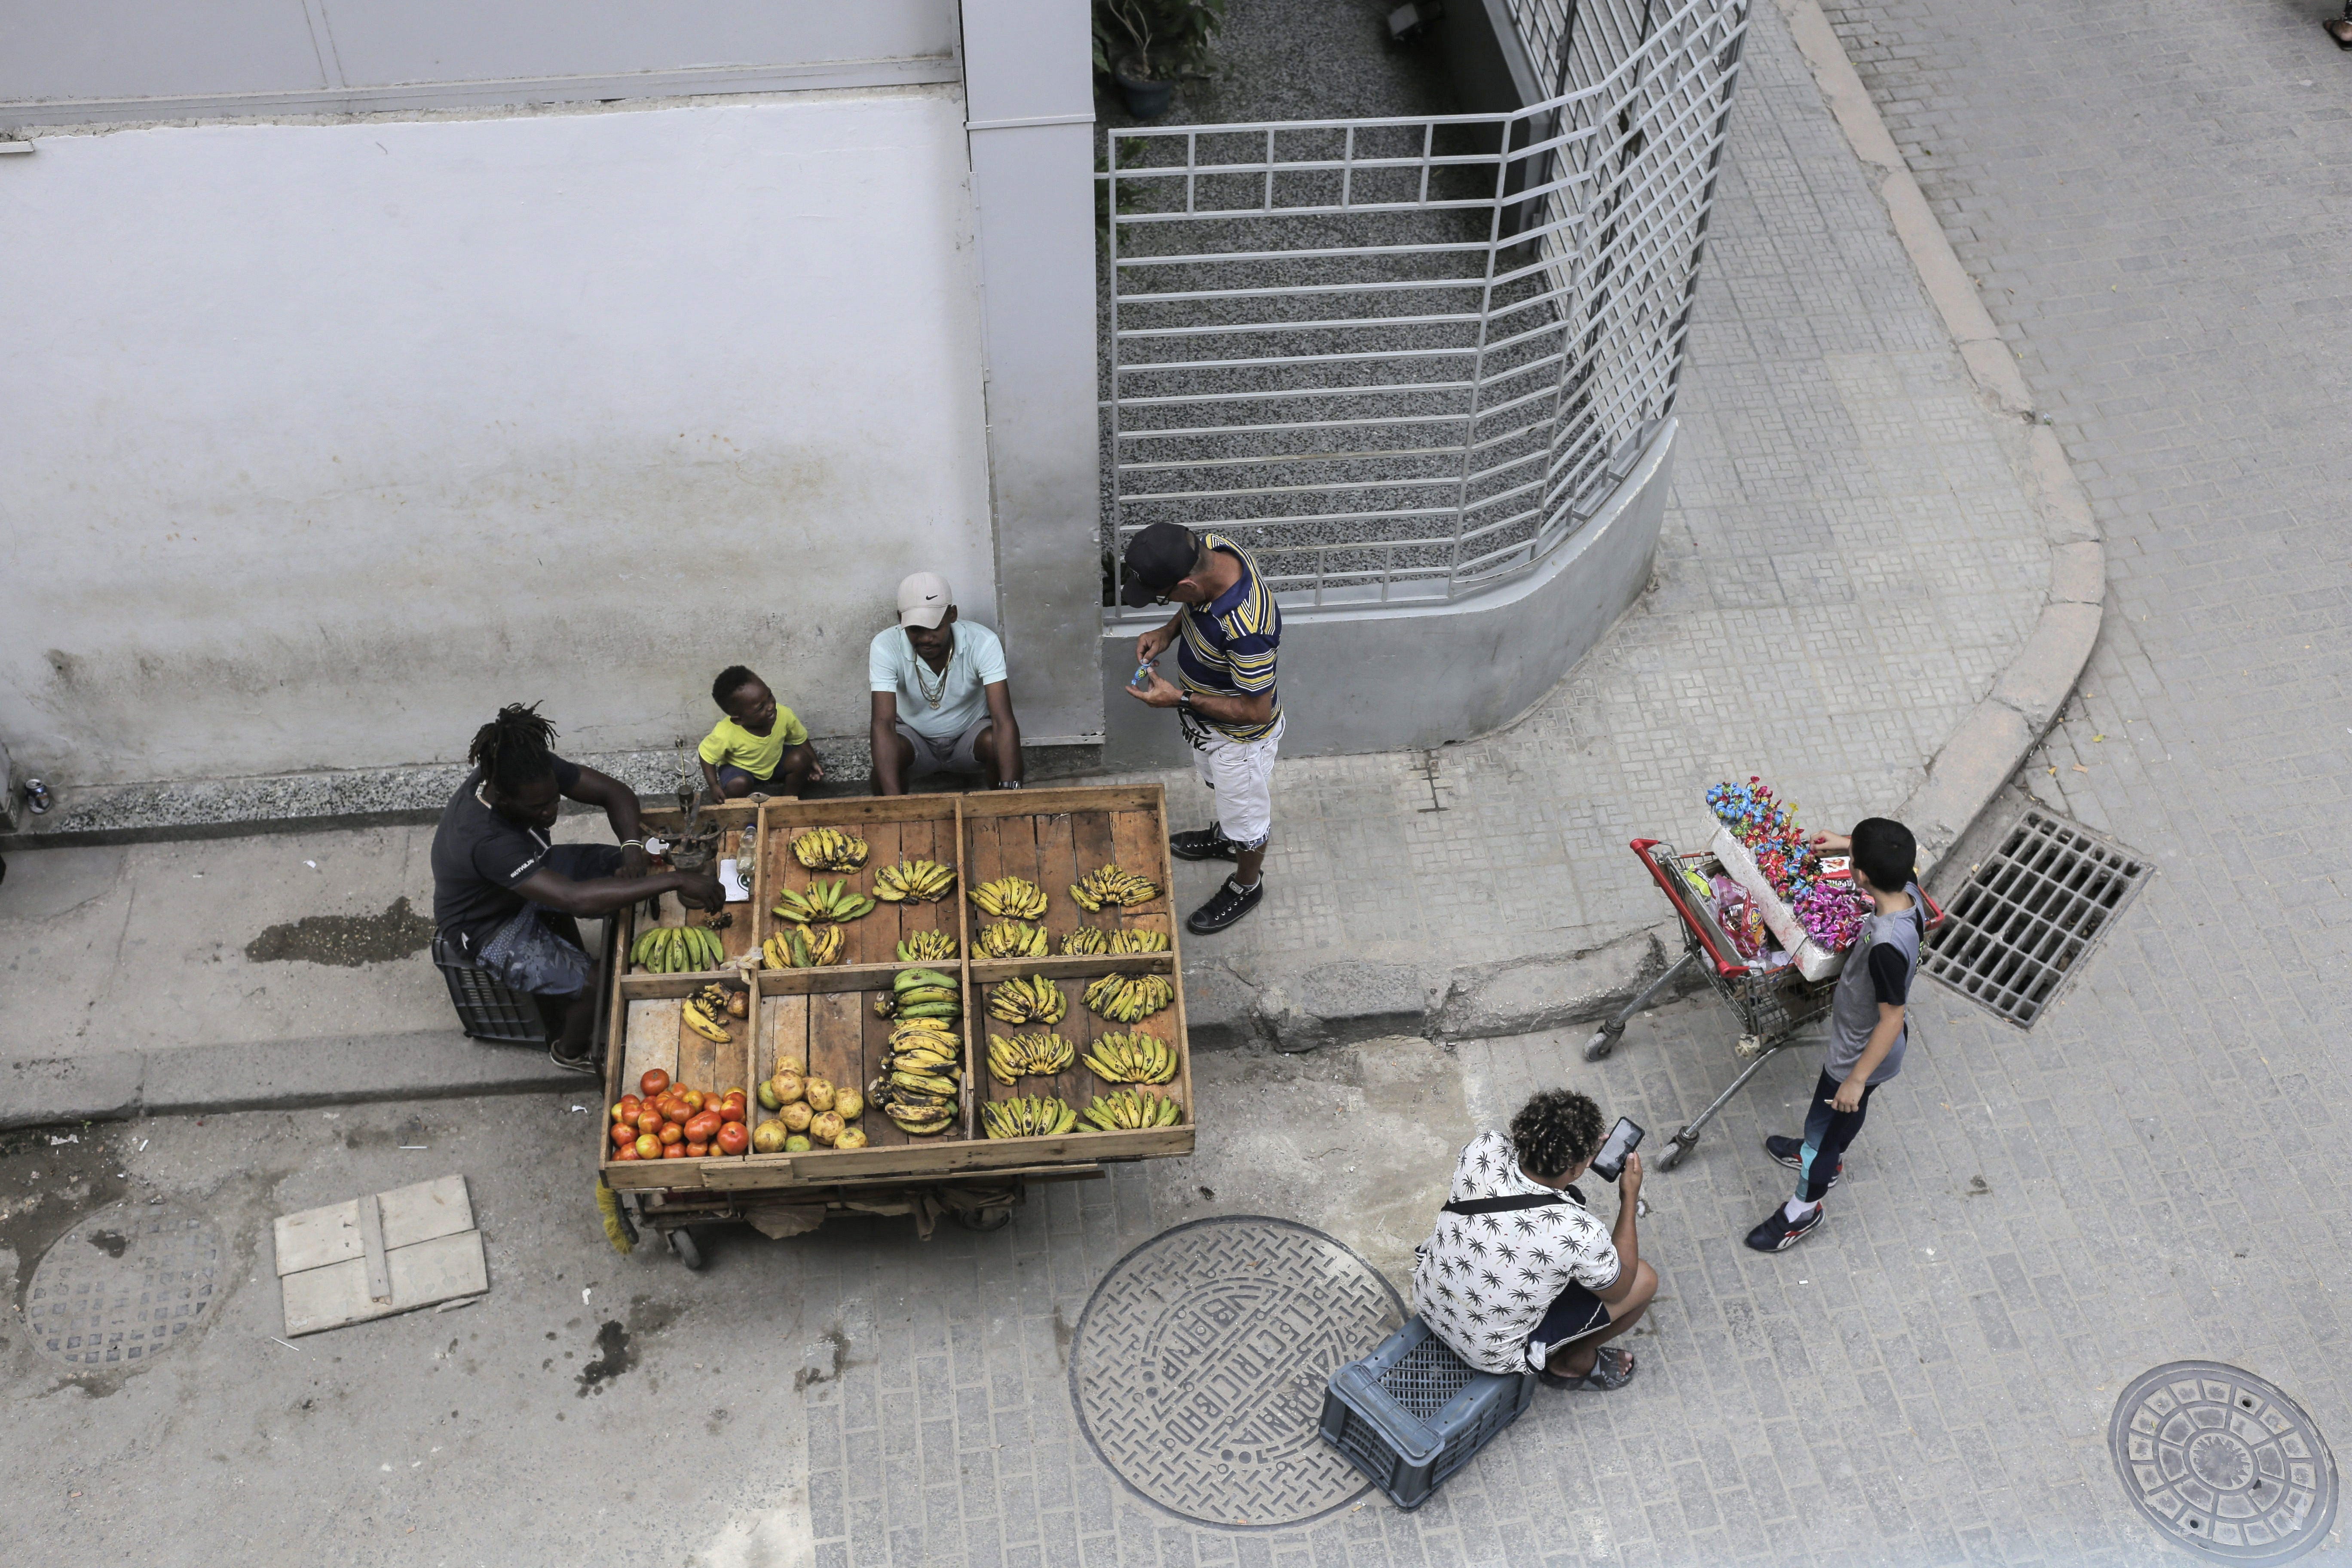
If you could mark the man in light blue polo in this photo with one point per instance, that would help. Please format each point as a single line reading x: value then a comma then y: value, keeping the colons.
x: 941, y: 703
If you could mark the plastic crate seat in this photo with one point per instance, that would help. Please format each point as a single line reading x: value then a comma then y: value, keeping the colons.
x: 487, y: 1009
x: 1412, y: 1413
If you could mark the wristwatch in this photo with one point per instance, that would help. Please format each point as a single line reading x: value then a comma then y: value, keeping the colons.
x: 1008, y: 783
x: 1184, y: 701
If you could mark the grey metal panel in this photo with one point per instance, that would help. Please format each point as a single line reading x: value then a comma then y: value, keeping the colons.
x: 162, y: 58
x: 381, y: 42
x: 137, y: 49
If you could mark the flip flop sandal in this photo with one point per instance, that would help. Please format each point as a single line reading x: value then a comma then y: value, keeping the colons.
x: 1612, y: 1368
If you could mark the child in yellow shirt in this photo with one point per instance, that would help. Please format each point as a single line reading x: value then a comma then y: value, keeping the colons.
x: 759, y: 746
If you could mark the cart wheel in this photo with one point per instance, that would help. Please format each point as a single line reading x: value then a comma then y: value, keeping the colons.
x: 1672, y: 1154
x: 681, y: 1241
x: 982, y: 1221
x: 1603, y: 1041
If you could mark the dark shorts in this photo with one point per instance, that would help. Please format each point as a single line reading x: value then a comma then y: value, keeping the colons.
x: 529, y: 955
x: 1574, y: 1313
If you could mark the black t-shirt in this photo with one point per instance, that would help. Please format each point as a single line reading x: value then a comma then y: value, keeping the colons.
x: 478, y: 856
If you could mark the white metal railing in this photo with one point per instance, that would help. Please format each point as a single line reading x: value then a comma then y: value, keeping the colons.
x: 1405, y: 359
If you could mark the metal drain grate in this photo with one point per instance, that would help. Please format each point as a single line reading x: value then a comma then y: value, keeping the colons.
x: 2029, y: 913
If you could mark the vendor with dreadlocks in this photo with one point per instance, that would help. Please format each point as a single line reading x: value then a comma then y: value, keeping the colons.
x: 511, y: 902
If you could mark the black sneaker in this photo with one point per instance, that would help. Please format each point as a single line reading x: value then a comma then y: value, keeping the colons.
x: 1208, y: 843
x: 1225, y: 906
x: 1790, y: 1151
x: 1778, y: 1232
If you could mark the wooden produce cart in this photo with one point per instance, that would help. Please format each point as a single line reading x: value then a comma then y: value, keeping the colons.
x: 822, y: 1020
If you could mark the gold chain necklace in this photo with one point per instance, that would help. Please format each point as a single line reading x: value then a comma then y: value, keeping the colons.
x: 931, y: 694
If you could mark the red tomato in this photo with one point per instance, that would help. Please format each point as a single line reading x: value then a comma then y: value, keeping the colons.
x: 648, y: 1146
x: 731, y: 1111
x: 650, y: 1121
x: 674, y: 1151
x: 694, y: 1099
x: 696, y: 1150
x: 699, y: 1128
x: 734, y: 1138
x: 626, y: 1108
x: 653, y: 1083
x: 626, y: 1151
x: 671, y: 1136
x: 624, y: 1133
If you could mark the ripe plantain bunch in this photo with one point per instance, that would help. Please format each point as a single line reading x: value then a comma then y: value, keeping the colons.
x: 824, y: 902
x: 805, y: 947
x: 920, y: 881
x: 923, y: 994
x: 1036, y: 1000
x: 920, y: 1086
x: 1126, y: 1110
x: 1029, y: 1055
x: 676, y: 950
x: 1012, y: 939
x: 703, y: 1012
x: 829, y: 849
x: 1132, y: 1059
x: 1093, y: 939
x: 1109, y: 885
x: 1039, y: 1117
x: 927, y: 947
x: 1130, y: 998
x: 1015, y: 896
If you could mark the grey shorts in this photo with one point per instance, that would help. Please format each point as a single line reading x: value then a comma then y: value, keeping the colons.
x: 960, y: 754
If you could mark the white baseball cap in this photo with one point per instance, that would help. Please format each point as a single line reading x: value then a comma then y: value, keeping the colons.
x: 924, y: 600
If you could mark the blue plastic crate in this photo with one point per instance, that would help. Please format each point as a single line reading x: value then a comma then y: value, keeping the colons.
x: 1412, y: 1413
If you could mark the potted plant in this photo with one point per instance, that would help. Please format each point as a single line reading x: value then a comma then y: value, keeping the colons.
x: 1147, y: 46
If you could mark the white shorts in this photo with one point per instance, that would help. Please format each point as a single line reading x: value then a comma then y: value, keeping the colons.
x: 1242, y: 773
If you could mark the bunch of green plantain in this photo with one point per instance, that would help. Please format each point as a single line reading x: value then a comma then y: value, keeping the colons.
x: 805, y: 947
x: 1126, y: 1110
x: 919, y: 1087
x: 829, y: 849
x: 1036, y: 1000
x: 1029, y: 1055
x: 702, y: 1013
x: 1012, y: 939
x: 1014, y: 896
x: 922, y: 881
x: 676, y: 950
x: 1039, y: 1117
x: 824, y: 902
x: 927, y: 947
x: 1109, y: 885
x: 1132, y: 1059
x: 1128, y: 998
x: 921, y: 994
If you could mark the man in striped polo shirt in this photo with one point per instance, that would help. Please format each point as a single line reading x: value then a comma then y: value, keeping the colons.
x: 1225, y: 636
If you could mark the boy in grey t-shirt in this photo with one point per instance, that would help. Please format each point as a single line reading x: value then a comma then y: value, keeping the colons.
x: 1866, y: 1029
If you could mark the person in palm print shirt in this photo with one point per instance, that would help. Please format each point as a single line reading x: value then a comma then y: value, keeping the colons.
x: 1517, y: 1273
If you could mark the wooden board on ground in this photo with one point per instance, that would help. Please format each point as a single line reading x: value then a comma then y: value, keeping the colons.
x: 432, y: 1271
x: 378, y: 1254
x: 316, y: 1238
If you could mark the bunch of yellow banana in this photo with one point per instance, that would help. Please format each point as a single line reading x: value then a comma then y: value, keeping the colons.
x: 1036, y: 1000
x: 921, y: 994
x: 1041, y: 1117
x: 824, y: 902
x: 1029, y: 1055
x: 923, y: 882
x: 805, y: 947
x: 703, y: 1012
x: 1086, y: 940
x: 829, y: 849
x: 927, y: 947
x: 1012, y: 939
x: 1014, y: 896
x: 1126, y: 999
x: 1135, y: 939
x: 676, y: 950
x: 1109, y: 885
x: 1126, y: 1110
x: 920, y: 1086
x: 1132, y: 1059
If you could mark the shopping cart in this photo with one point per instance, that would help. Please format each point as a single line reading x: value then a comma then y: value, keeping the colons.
x: 1772, y: 1004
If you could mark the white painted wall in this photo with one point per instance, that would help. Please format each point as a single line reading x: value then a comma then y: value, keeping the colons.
x: 318, y: 442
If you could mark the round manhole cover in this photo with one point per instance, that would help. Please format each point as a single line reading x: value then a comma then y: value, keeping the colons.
x: 1199, y: 1365
x: 2223, y: 1462
x: 122, y: 1286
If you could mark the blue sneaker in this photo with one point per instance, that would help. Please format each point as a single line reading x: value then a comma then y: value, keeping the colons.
x: 1778, y: 1232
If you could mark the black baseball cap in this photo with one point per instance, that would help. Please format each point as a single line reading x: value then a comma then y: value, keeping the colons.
x: 1156, y: 560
